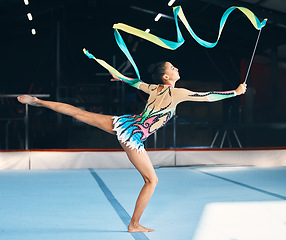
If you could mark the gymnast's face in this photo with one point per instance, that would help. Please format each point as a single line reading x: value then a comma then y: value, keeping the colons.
x: 171, y: 73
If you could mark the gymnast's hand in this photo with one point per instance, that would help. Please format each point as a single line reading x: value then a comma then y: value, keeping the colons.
x: 114, y: 77
x: 241, y: 89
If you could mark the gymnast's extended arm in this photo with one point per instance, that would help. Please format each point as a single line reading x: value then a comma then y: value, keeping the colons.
x: 182, y: 95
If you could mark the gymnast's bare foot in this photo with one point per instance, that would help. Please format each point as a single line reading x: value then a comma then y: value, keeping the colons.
x: 26, y: 99
x: 139, y: 228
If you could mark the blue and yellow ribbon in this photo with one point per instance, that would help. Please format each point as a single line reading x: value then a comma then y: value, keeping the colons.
x: 172, y: 45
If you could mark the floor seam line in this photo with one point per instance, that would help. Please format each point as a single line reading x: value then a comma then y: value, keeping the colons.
x: 243, y: 185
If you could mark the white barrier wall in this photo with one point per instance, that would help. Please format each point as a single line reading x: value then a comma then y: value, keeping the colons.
x: 259, y: 158
x: 117, y: 159
x: 67, y: 160
x: 14, y: 160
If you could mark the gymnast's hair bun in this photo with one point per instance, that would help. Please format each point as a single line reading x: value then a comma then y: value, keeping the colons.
x: 156, y: 71
x: 151, y: 68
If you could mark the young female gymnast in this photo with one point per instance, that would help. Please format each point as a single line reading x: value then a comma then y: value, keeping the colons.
x: 132, y: 130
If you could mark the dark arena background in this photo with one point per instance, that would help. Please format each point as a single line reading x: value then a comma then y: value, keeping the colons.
x: 221, y: 165
x: 52, y: 62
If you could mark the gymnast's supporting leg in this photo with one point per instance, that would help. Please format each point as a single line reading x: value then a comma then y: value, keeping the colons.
x: 143, y: 164
x: 101, y: 121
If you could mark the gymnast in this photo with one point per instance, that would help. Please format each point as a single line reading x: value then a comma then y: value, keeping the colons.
x: 133, y: 130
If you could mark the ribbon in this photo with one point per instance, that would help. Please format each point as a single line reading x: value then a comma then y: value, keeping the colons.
x: 178, y: 12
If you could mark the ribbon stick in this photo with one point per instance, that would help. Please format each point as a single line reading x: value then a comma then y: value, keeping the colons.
x: 171, y: 45
x: 251, y: 60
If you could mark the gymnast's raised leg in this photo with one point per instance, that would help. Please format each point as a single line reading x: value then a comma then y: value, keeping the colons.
x: 101, y: 121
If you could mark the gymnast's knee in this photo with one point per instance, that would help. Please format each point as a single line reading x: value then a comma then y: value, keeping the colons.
x: 151, y: 180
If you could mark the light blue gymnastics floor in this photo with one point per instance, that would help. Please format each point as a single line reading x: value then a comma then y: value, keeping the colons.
x: 199, y: 203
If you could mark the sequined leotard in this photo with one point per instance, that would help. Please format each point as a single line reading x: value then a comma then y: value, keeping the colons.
x: 133, y: 130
